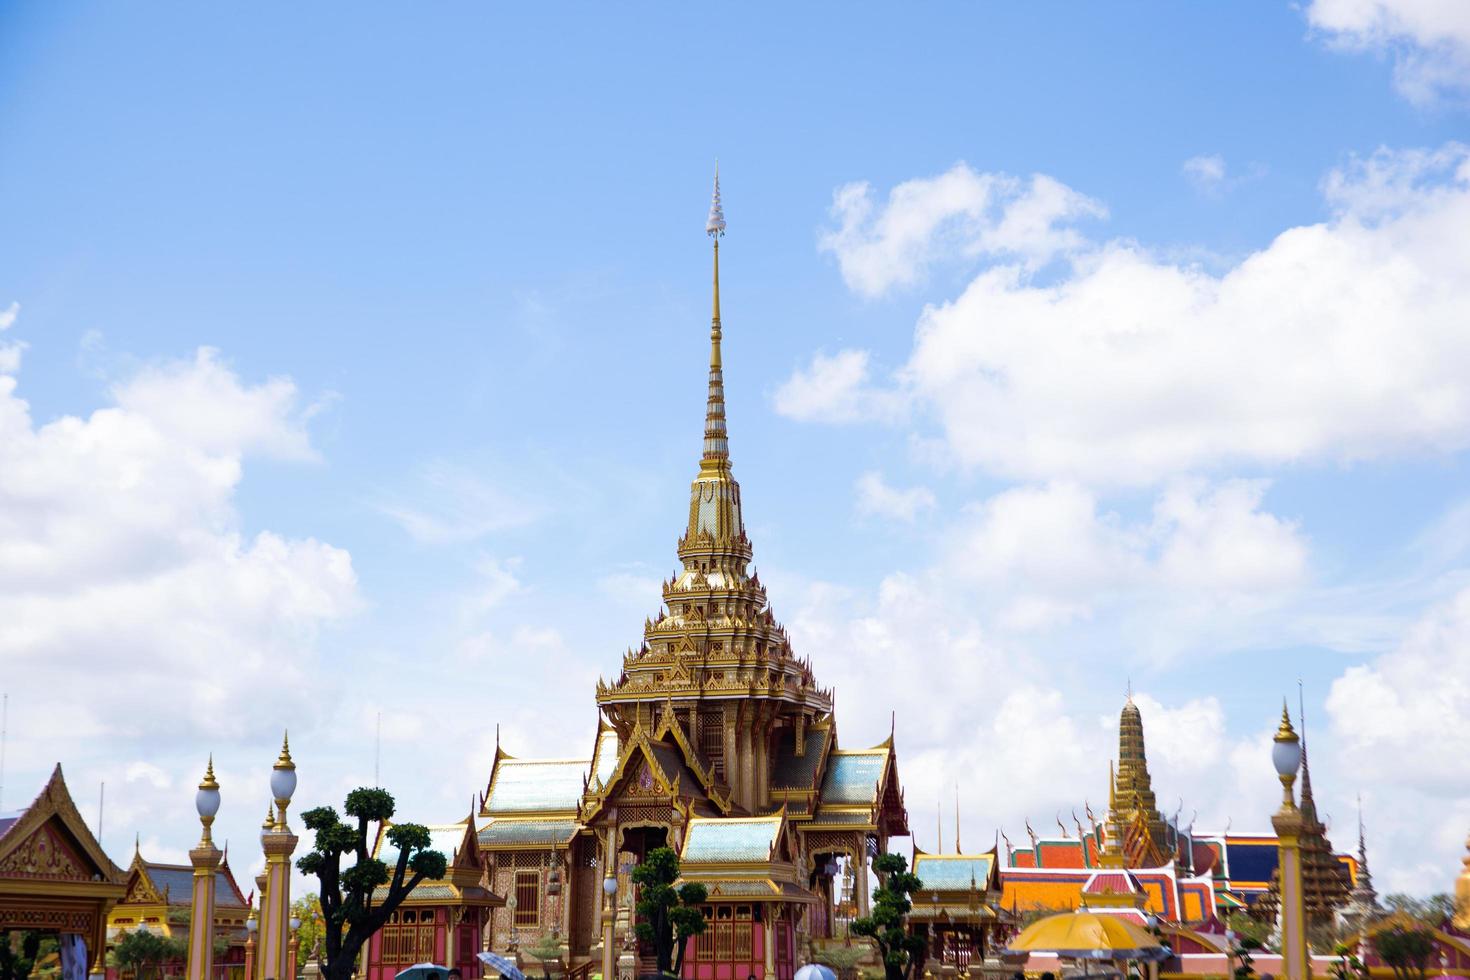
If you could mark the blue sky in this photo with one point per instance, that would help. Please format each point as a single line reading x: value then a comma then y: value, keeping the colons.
x: 1068, y: 345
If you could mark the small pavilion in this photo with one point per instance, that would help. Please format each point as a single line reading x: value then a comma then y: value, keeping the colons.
x: 54, y: 876
x: 955, y: 908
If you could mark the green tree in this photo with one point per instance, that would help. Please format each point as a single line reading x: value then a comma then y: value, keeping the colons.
x: 667, y: 917
x: 308, y: 908
x: 1241, y: 955
x: 1245, y: 925
x: 1432, y: 911
x: 843, y: 959
x: 18, y: 954
x: 347, y: 894
x: 1348, y: 966
x: 887, y: 926
x: 544, y: 950
x: 141, y: 951
x: 1406, y: 950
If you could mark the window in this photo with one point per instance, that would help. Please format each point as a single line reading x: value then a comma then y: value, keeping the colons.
x: 528, y: 899
x: 712, y: 740
x: 724, y: 933
x: 742, y: 947
x: 704, y: 943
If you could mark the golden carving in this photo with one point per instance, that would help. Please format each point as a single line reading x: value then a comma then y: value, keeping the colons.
x: 42, y: 855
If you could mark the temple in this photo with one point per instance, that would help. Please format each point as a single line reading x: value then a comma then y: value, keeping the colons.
x: 1178, y: 874
x: 714, y: 738
x: 158, y: 899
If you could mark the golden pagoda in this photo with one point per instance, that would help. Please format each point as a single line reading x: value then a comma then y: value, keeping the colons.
x: 713, y: 738
x: 1133, y: 813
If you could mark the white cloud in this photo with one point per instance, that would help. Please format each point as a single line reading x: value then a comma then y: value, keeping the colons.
x: 1207, y: 173
x: 835, y: 388
x: 10, y: 352
x: 1220, y: 539
x: 1397, y: 727
x: 131, y: 605
x: 875, y: 498
x: 201, y: 403
x: 1339, y: 341
x: 1429, y: 40
x: 451, y: 503
x: 961, y: 212
x: 1047, y: 555
x: 1399, y: 715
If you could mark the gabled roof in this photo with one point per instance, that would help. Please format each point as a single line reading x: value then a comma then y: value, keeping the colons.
x: 456, y: 841
x: 790, y: 771
x: 731, y: 840
x: 956, y: 872
x: 464, y: 865
x: 860, y: 788
x: 534, y: 786
x: 173, y: 884
x: 536, y: 832
x: 50, y: 840
x: 854, y: 776
x: 666, y: 764
x: 604, y: 754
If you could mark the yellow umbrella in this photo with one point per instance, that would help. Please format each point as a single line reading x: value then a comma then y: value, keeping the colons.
x: 1088, y: 935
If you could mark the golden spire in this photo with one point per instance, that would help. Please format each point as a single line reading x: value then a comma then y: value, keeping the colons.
x: 716, y: 531
x: 209, y: 782
x: 716, y: 459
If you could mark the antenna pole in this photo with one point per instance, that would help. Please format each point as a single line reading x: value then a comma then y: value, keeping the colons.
x: 378, y: 753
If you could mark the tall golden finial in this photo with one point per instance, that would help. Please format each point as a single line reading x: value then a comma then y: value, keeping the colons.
x: 716, y: 458
x: 957, y: 817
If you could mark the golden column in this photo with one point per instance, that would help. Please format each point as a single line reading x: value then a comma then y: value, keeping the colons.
x: 278, y: 842
x: 1286, y: 756
x: 205, y: 858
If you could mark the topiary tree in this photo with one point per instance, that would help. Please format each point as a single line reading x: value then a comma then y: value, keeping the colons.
x: 544, y: 950
x: 1406, y: 950
x: 888, y: 925
x: 667, y: 917
x: 842, y: 959
x: 347, y: 895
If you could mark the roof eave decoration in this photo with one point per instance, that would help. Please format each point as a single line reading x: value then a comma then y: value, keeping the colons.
x: 638, y: 745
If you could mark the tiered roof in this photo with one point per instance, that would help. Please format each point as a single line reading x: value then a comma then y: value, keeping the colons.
x: 463, y: 872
